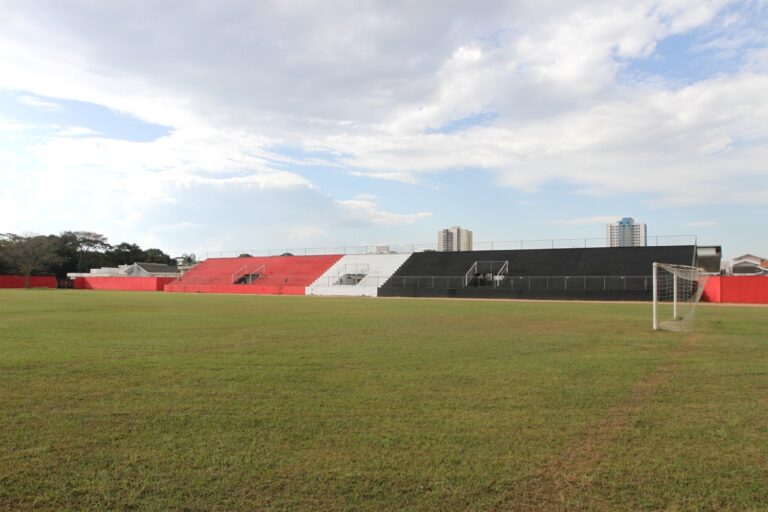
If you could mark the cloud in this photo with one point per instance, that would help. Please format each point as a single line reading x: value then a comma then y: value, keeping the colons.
x: 600, y: 219
x: 36, y: 102
x: 401, y: 176
x: 308, y: 232
x: 390, y: 91
x: 76, y: 131
x: 367, y: 210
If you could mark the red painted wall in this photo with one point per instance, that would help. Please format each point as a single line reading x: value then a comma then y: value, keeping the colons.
x: 712, y: 290
x: 34, y: 281
x: 251, y: 289
x: 136, y: 284
x: 737, y: 289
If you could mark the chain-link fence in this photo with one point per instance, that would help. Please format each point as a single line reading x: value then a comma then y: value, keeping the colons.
x: 407, y: 248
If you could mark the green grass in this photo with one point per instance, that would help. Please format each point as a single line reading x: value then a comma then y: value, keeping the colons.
x: 121, y: 401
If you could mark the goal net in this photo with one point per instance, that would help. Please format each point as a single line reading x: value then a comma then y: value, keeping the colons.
x: 677, y: 290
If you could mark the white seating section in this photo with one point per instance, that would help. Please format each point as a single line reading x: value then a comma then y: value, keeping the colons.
x: 357, y: 275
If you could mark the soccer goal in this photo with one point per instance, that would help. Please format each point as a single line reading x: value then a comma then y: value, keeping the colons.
x: 677, y: 290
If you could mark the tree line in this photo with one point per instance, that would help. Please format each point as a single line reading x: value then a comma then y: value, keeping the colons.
x: 70, y: 251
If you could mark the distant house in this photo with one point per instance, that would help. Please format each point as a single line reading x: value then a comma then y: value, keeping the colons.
x: 135, y: 270
x: 152, y: 270
x: 749, y: 264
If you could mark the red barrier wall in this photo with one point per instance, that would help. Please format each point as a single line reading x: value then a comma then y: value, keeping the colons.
x: 712, y: 290
x: 737, y: 289
x: 253, y: 289
x: 135, y: 284
x: 34, y: 281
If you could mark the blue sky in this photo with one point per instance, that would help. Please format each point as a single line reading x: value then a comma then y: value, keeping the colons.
x: 274, y: 125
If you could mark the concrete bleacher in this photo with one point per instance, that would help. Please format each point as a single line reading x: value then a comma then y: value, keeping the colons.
x: 357, y: 275
x: 275, y: 275
x: 620, y: 273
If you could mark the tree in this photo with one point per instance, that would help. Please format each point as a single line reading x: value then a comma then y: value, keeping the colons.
x: 155, y: 256
x: 5, y: 265
x: 28, y: 254
x: 124, y: 254
x: 186, y: 260
x: 81, y: 251
x: 84, y: 249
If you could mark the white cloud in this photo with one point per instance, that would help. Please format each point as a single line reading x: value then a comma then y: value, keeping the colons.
x: 367, y: 210
x: 175, y: 226
x: 600, y: 219
x: 403, y: 177
x: 76, y: 131
x: 363, y: 83
x: 308, y: 232
x: 6, y: 126
x: 36, y: 102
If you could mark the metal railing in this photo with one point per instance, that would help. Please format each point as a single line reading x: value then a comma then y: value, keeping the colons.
x: 487, y: 268
x: 247, y: 270
x: 407, y: 248
x: 561, y: 283
x: 271, y: 280
x: 470, y: 273
x: 506, y: 282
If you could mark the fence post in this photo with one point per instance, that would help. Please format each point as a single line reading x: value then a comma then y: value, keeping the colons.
x: 655, y: 274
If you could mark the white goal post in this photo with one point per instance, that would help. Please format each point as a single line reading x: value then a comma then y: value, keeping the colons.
x: 677, y: 290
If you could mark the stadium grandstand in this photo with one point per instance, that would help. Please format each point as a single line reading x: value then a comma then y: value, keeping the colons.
x: 623, y: 273
x: 357, y: 275
x: 617, y: 273
x: 270, y: 275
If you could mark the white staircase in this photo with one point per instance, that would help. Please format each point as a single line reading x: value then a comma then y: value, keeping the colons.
x: 369, y: 271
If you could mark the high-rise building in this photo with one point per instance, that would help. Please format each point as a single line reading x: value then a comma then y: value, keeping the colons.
x: 626, y: 233
x: 454, y: 239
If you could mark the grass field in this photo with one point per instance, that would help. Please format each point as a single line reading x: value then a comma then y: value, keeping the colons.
x: 142, y: 401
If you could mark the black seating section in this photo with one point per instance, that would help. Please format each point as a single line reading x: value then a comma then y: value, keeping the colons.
x: 620, y: 273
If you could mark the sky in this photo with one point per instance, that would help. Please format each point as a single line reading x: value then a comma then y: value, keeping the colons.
x: 205, y: 126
